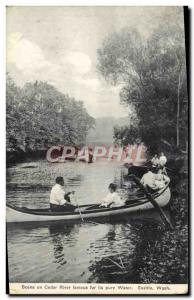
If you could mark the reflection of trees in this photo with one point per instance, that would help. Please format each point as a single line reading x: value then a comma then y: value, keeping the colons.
x: 59, y: 233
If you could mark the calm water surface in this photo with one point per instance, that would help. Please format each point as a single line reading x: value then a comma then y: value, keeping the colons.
x: 78, y: 252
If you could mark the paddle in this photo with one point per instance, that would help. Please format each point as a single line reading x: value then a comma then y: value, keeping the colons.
x: 75, y: 198
x: 163, y: 216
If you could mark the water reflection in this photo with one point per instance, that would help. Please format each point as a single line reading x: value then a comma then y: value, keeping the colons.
x: 124, y: 263
x: 60, y: 234
x: 113, y: 265
x: 117, y: 252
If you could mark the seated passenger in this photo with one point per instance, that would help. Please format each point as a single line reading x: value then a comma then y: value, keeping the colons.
x: 148, y: 180
x: 59, y: 201
x: 155, y: 161
x: 154, y: 181
x: 112, y: 199
x: 162, y: 159
x: 160, y: 179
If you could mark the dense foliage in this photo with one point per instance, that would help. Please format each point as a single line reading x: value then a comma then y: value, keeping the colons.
x: 39, y: 116
x: 152, y: 74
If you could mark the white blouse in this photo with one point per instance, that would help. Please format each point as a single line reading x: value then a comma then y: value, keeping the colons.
x: 113, y: 198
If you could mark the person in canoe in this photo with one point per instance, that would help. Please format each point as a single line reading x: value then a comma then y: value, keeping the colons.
x: 162, y: 160
x: 154, y: 180
x: 59, y: 200
x: 112, y: 199
x: 155, y: 161
x: 161, y: 179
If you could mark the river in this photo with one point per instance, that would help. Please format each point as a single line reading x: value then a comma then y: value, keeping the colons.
x: 122, y: 252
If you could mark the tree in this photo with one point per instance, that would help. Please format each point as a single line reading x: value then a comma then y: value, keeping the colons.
x: 13, y: 124
x: 152, y: 74
x: 39, y: 116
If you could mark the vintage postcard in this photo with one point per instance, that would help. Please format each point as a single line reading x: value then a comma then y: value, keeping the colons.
x: 97, y: 150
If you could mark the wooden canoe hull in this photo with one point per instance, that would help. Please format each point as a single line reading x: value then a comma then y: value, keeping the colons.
x: 18, y: 215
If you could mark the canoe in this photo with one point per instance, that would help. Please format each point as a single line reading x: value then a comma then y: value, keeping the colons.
x: 89, y: 211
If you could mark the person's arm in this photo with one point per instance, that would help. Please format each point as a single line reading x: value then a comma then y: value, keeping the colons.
x: 67, y: 196
x: 69, y: 193
x: 63, y: 201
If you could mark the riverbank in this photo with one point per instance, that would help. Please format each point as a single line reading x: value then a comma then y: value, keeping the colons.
x: 15, y: 157
x: 167, y: 255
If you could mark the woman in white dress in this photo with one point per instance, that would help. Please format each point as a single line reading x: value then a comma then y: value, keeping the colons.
x: 112, y: 199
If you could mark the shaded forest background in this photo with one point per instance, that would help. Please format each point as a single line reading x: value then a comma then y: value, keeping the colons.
x: 151, y: 73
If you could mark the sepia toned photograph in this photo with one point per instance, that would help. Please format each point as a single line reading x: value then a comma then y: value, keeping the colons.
x: 97, y: 149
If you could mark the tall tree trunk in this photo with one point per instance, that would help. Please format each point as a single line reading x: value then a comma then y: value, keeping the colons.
x: 186, y: 157
x: 178, y: 112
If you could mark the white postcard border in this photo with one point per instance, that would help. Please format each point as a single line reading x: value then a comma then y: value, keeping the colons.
x: 96, y: 289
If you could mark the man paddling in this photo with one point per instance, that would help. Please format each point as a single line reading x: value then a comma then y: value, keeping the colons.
x: 59, y: 200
